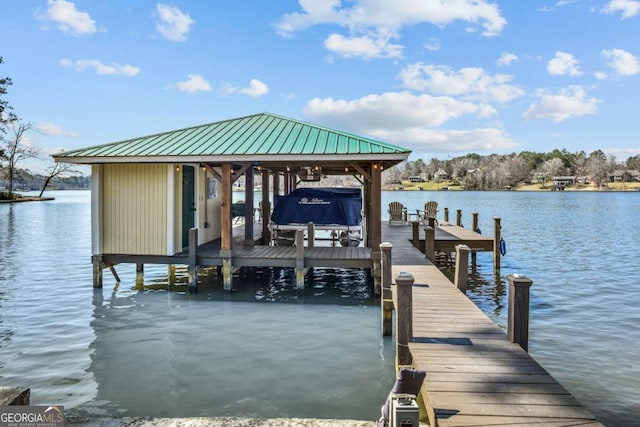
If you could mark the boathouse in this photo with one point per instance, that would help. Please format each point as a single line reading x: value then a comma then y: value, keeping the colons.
x: 161, y: 198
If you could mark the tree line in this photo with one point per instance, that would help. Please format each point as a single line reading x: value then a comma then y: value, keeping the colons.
x: 493, y: 172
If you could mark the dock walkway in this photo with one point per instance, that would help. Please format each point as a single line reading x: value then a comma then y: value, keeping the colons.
x: 475, y: 377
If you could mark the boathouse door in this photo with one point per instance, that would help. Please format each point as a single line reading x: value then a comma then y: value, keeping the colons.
x: 188, y: 203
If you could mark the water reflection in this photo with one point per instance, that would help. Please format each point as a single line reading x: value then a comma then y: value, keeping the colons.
x: 264, y: 350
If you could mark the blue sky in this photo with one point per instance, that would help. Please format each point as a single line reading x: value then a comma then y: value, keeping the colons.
x: 441, y: 77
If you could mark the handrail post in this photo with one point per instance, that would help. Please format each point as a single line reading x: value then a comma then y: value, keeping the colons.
x: 430, y: 243
x: 386, y: 302
x: 462, y: 267
x: 404, y: 323
x: 518, y: 315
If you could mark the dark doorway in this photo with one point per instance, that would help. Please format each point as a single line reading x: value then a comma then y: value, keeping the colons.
x: 188, y: 203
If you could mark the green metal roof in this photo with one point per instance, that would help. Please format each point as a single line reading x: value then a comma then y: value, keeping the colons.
x: 260, y: 136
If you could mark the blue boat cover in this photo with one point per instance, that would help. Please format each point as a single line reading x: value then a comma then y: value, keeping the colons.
x: 321, y: 206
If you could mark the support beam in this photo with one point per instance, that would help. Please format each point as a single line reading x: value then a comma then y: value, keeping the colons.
x: 476, y: 228
x: 240, y: 172
x: 248, y: 208
x: 266, y: 207
x: 226, y: 231
x: 311, y: 235
x: 171, y: 273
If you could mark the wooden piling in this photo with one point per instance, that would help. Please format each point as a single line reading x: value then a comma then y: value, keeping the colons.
x: 227, y: 269
x: 97, y: 272
x: 462, y: 268
x: 476, y: 228
x: 386, y: 303
x: 415, y: 227
x: 497, y: 236
x: 193, y: 261
x: 446, y: 214
x: 459, y: 217
x: 139, y: 276
x: 404, y: 323
x: 518, y: 315
x: 171, y: 273
x: 311, y: 235
x: 300, y: 259
x: 430, y: 243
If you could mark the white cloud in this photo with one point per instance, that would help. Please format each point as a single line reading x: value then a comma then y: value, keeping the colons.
x: 174, y: 24
x: 194, y: 83
x: 563, y: 64
x: 629, y: 8
x: 445, y: 141
x: 433, y: 44
x: 406, y: 119
x: 256, y: 89
x: 622, y: 62
x: 567, y: 103
x: 506, y: 59
x: 50, y: 129
x: 100, y: 68
x: 601, y: 75
x: 388, y: 110
x: 471, y: 83
x: 69, y: 19
x: 364, y: 47
x: 372, y: 23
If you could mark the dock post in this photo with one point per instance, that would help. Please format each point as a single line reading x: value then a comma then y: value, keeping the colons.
x: 386, y: 303
x: 139, y: 276
x: 300, y: 259
x: 459, y: 217
x: 497, y: 237
x: 446, y: 214
x: 416, y: 234
x: 518, y: 316
x: 171, y: 273
x: 311, y: 235
x: 193, y: 260
x: 462, y: 267
x: 97, y: 271
x: 404, y: 322
x: 227, y: 269
x: 430, y: 243
x: 474, y: 226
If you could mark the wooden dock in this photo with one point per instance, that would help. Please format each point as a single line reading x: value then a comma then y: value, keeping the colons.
x: 475, y: 376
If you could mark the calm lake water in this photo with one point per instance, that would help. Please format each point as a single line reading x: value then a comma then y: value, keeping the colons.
x: 269, y: 351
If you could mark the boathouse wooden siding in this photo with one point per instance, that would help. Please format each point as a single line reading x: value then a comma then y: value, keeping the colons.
x: 134, y: 208
x: 137, y: 208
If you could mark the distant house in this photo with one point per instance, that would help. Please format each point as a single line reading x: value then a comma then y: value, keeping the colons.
x: 621, y: 175
x: 564, y: 181
x: 441, y: 175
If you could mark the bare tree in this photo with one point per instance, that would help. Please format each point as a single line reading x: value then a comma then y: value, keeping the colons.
x: 15, y: 147
x: 57, y: 169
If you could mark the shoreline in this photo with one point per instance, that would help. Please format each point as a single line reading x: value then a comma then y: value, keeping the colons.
x: 28, y: 199
x: 215, y: 422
